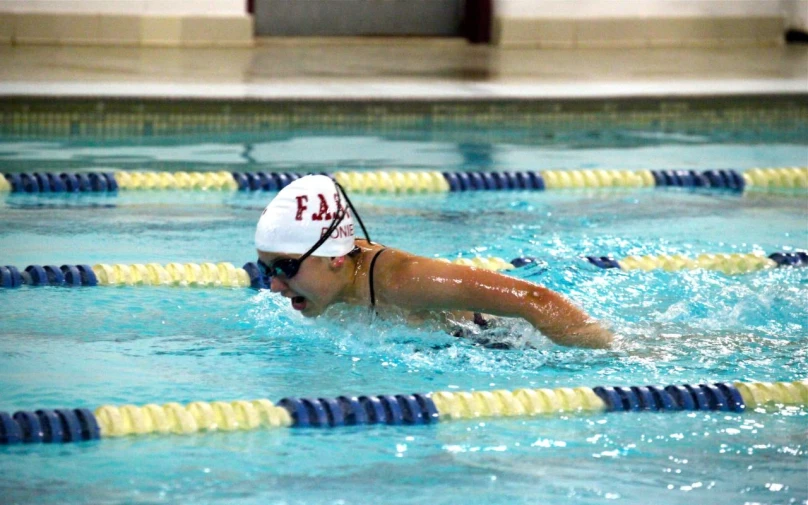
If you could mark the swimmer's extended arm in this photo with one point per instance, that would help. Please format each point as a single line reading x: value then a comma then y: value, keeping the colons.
x: 421, y: 283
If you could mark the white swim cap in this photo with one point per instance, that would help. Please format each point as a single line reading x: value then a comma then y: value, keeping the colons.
x: 300, y: 214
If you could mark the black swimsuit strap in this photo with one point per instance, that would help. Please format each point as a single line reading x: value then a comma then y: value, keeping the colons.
x: 372, y: 265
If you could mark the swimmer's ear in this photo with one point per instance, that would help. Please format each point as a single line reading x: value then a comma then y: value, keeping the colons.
x: 337, y: 261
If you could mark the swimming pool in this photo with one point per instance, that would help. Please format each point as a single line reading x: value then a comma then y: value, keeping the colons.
x: 141, y: 344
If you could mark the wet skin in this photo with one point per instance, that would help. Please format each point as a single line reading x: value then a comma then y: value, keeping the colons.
x: 421, y: 286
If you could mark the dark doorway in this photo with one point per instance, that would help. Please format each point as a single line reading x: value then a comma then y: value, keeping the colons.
x: 434, y: 18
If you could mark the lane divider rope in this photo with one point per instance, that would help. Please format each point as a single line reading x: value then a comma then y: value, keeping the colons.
x: 101, y: 274
x: 226, y: 275
x: 402, y: 182
x: 74, y: 425
x: 172, y: 274
x: 734, y: 263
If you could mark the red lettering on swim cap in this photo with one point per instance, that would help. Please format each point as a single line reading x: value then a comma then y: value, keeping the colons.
x: 301, y: 207
x: 339, y: 205
x: 323, y: 214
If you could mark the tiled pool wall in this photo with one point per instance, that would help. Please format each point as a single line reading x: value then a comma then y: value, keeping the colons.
x: 513, y: 120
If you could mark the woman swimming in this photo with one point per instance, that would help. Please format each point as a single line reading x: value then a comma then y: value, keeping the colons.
x: 308, y: 250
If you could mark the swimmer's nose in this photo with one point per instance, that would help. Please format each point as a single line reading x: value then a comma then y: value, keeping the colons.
x: 276, y: 285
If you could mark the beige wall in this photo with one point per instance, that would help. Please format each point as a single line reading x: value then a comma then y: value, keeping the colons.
x: 638, y: 8
x: 191, y: 23
x: 645, y: 23
x: 129, y: 7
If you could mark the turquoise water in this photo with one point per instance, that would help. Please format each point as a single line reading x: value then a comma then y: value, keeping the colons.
x: 92, y: 346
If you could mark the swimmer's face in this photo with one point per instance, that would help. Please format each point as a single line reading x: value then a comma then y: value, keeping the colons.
x: 311, y: 289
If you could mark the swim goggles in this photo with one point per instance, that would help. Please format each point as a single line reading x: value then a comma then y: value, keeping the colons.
x: 288, y: 267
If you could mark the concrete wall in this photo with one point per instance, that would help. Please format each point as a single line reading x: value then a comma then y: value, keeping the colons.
x: 539, y: 23
x: 645, y: 23
x: 190, y: 23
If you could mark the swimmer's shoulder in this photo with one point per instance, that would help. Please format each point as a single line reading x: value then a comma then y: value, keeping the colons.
x: 397, y: 261
x: 392, y: 269
x: 391, y: 255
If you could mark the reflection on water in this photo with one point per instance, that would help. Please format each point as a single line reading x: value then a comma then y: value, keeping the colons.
x: 320, y: 152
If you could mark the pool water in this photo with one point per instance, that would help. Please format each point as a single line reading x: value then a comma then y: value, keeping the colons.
x: 114, y: 345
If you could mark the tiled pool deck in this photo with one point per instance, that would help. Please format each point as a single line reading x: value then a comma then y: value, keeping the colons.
x: 393, y: 69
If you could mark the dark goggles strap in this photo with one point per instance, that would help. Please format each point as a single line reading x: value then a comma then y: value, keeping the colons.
x: 337, y: 220
x: 350, y: 205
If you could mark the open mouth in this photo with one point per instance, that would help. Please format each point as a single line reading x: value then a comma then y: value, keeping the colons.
x: 298, y: 303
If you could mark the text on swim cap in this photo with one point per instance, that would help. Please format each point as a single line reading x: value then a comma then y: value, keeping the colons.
x: 345, y: 230
x: 323, y: 213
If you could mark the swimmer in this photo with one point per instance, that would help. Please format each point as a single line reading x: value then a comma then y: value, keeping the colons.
x: 309, y: 253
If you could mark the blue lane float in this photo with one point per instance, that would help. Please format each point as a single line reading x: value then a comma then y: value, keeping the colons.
x: 15, y: 182
x: 54, y: 182
x: 374, y: 408
x: 65, y: 182
x: 48, y: 426
x: 72, y: 276
x: 662, y: 399
x: 348, y: 411
x: 55, y: 275
x: 42, y: 181
x: 10, y: 432
x: 88, y: 277
x: 84, y: 183
x: 37, y: 275
x: 261, y: 181
x: 70, y: 181
x: 257, y: 280
x: 6, y: 280
x: 493, y: 181
x: 604, y: 262
x: 719, y: 396
x: 48, y: 275
x: 16, y: 277
x: 98, y: 182
x: 30, y: 183
x: 682, y: 397
x: 718, y: 179
x: 792, y: 259
x: 30, y: 427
